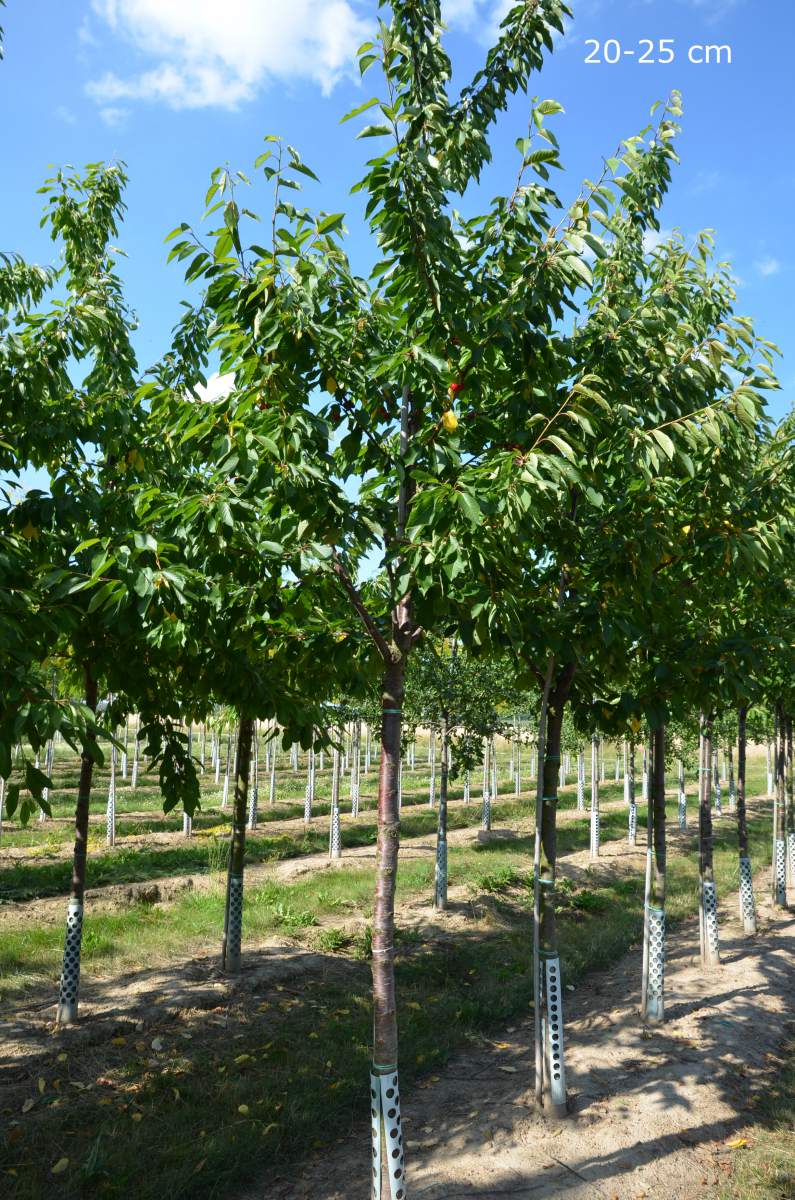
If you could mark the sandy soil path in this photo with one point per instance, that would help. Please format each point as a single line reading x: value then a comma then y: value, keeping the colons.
x: 653, y: 1110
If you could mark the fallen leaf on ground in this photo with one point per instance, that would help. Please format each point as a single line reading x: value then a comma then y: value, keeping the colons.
x: 60, y: 1166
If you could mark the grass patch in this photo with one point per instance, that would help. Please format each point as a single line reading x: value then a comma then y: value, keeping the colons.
x: 765, y: 1169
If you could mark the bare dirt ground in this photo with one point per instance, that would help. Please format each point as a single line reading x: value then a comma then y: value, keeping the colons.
x: 654, y: 1110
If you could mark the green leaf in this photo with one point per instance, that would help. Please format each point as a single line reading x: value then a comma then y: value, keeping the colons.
x: 362, y: 108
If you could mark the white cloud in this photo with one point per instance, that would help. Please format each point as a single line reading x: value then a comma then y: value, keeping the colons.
x: 112, y: 116
x: 85, y: 34
x: 217, y: 387
x: 203, y: 53
x: 483, y: 17
x: 768, y: 266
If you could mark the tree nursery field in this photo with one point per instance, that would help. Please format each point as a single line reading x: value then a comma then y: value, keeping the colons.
x: 397, y: 792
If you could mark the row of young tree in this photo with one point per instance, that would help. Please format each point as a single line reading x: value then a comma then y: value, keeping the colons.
x: 550, y: 439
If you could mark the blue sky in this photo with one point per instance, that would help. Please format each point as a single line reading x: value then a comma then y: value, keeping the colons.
x: 175, y: 87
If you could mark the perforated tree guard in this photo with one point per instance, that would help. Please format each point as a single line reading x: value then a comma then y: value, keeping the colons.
x: 709, y: 917
x: 732, y: 795
x: 655, y: 985
x: 70, y: 971
x: 466, y: 787
x: 682, y: 810
x: 440, y: 888
x: 187, y: 824
x: 486, y: 821
x: 747, y: 905
x: 554, y: 1062
x: 718, y: 795
x: 110, y: 812
x: 253, y: 802
x: 335, y: 839
x: 387, y: 1134
x: 581, y: 783
x: 234, y: 928
x: 780, y: 873
x: 594, y: 833
x: 791, y: 858
x: 633, y: 824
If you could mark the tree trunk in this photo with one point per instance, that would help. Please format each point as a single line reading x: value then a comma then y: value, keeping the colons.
x: 632, y: 814
x: 272, y: 781
x: 225, y: 797
x: 549, y: 1025
x: 708, y: 908
x: 388, y: 1152
x: 486, y: 817
x: 747, y: 905
x: 682, y: 794
x: 233, y: 924
x: 110, y: 812
x: 580, y: 782
x: 335, y: 835
x: 654, y: 933
x: 309, y: 790
x: 253, y: 803
x: 70, y: 974
x: 790, y: 814
x: 780, y: 819
x: 440, y: 878
x: 432, y: 781
x: 595, y: 797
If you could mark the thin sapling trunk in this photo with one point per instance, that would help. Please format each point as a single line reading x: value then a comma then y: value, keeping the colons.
x: 233, y: 924
x: 70, y: 973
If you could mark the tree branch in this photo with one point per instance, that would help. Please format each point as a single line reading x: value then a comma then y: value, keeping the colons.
x: 355, y: 598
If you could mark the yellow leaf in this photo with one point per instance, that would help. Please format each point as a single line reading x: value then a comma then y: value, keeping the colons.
x: 118, y: 1041
x: 60, y: 1166
x: 42, y: 1085
x: 737, y: 1144
x: 414, y: 1004
x: 30, y: 532
x: 61, y: 1058
x: 28, y: 1105
x: 331, y: 385
x: 243, y: 1110
x: 137, y: 1116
